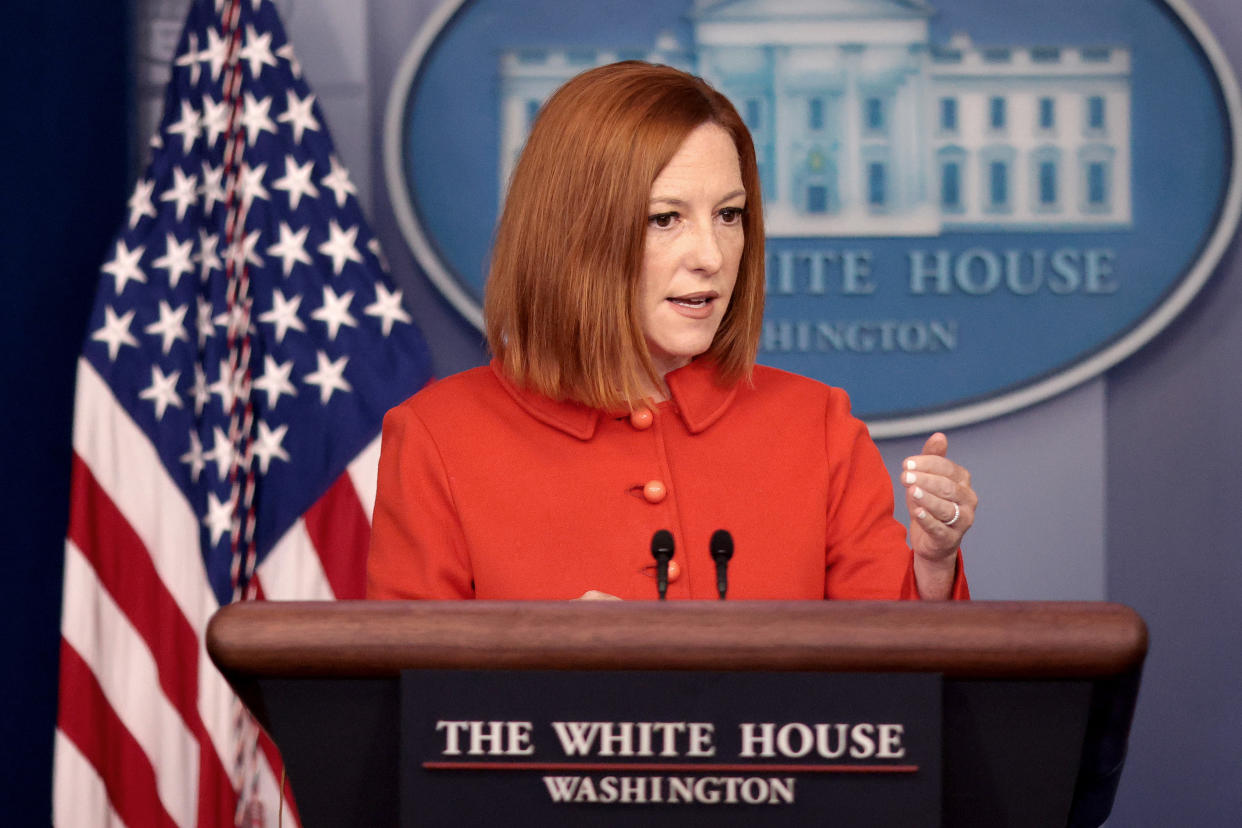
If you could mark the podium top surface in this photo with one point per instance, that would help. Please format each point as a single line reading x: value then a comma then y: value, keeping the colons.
x: 977, y: 639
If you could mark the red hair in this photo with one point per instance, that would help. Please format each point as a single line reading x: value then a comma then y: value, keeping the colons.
x: 559, y: 303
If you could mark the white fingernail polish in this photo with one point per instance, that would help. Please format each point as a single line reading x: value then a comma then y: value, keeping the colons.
x: 921, y: 514
x: 910, y: 477
x: 918, y: 493
x: 910, y: 465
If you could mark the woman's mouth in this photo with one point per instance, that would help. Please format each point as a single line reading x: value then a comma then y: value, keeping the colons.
x: 694, y: 305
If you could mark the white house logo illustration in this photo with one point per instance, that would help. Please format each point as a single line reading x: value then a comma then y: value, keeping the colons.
x: 863, y: 127
x: 971, y: 206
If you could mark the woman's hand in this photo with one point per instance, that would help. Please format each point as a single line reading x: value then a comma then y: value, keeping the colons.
x: 942, y: 507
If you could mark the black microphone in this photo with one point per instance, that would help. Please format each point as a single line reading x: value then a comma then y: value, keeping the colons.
x: 662, y: 551
x: 722, y: 551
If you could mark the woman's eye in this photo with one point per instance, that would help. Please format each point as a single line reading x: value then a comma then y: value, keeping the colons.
x: 732, y: 215
x: 662, y: 220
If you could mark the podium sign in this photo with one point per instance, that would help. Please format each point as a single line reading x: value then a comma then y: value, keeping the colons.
x: 669, y: 748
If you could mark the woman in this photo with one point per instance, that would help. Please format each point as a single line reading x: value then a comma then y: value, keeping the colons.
x: 624, y: 308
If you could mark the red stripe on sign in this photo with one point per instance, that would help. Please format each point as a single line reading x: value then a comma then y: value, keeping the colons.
x: 124, y: 567
x: 340, y: 532
x: 88, y: 720
x: 665, y: 767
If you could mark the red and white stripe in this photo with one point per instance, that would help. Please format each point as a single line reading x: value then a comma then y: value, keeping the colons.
x: 146, y: 730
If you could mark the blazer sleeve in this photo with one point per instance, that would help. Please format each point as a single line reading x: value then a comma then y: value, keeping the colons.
x: 418, y: 549
x: 867, y: 553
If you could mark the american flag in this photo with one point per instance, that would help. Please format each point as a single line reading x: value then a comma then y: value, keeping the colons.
x: 244, y: 345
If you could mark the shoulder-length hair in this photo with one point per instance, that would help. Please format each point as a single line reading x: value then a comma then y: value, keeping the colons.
x: 560, y: 297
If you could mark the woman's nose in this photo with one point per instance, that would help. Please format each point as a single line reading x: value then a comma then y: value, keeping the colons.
x: 704, y: 252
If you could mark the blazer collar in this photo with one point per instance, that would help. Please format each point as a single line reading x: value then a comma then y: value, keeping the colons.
x: 697, y: 398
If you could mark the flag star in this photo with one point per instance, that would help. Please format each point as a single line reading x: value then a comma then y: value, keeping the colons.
x: 255, y: 118
x: 286, y: 52
x: 340, y: 246
x: 184, y: 191
x: 190, y: 58
x: 329, y: 376
x: 225, y: 386
x: 124, y: 266
x: 195, y: 457
x: 162, y: 391
x: 189, y: 126
x: 236, y: 318
x: 338, y: 182
x: 387, y: 307
x: 140, y: 202
x: 284, y: 315
x: 200, y: 392
x: 275, y: 380
x: 251, y: 184
x: 257, y: 51
x: 267, y: 445
x: 215, y: 52
x: 215, y: 120
x: 298, y: 114
x: 297, y: 181
x: 376, y: 250
x: 171, y: 326
x: 335, y: 311
x: 291, y: 248
x: 204, y: 325
x: 206, y: 257
x: 212, y: 189
x: 219, y: 517
x: 242, y: 252
x: 176, y: 259
x: 115, y: 332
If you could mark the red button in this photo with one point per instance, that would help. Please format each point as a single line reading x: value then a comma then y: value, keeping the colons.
x: 674, y: 571
x: 654, y: 491
x: 641, y: 418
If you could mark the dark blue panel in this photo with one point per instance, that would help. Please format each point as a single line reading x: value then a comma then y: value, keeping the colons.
x: 64, y: 83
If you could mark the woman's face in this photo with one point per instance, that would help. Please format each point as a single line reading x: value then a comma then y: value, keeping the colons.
x: 693, y: 247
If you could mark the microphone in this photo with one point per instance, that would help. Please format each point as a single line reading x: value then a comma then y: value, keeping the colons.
x: 662, y: 551
x: 722, y: 551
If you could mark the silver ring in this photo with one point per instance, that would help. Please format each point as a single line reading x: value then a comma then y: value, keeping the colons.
x: 957, y: 513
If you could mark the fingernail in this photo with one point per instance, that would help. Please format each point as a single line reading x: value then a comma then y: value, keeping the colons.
x: 918, y: 493
x: 921, y: 514
x: 910, y: 477
x: 911, y: 465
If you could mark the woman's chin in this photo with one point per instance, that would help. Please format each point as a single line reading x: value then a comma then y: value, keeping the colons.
x: 678, y: 356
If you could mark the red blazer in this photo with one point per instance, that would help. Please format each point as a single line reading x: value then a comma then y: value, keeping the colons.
x: 490, y: 491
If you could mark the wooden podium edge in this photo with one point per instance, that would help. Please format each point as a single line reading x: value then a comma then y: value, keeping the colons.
x: 976, y: 640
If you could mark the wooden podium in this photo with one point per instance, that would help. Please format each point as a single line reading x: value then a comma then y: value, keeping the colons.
x: 1037, y: 697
